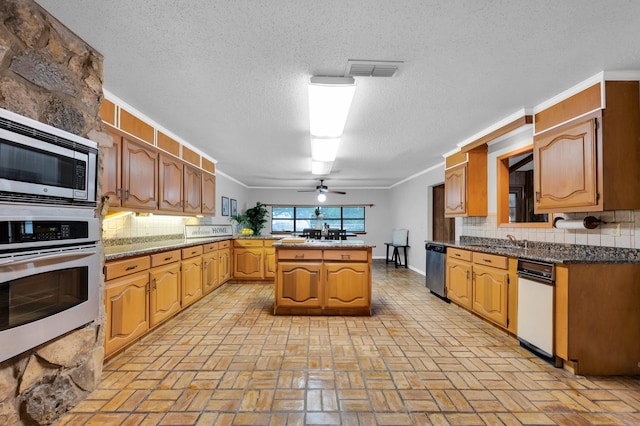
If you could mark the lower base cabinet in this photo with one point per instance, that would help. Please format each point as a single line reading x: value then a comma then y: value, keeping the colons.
x: 254, y: 259
x: 164, y: 295
x: 484, y: 284
x: 347, y: 285
x: 299, y: 284
x: 191, y: 268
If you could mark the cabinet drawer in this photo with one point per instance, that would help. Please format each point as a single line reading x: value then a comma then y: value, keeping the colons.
x: 300, y: 254
x: 191, y: 252
x: 224, y: 244
x: 346, y: 255
x: 459, y: 254
x: 120, y: 268
x: 165, y: 257
x: 208, y: 248
x: 247, y: 243
x: 494, y: 260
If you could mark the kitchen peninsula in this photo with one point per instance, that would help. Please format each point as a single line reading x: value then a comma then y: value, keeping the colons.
x: 330, y: 277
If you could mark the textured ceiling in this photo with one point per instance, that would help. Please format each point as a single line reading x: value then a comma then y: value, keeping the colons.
x: 230, y: 77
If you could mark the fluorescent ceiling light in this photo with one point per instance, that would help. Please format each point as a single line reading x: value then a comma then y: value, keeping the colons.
x: 329, y: 102
x: 322, y: 198
x: 324, y: 149
x: 321, y: 167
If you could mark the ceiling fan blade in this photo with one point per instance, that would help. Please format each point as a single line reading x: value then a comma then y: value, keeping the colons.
x: 337, y: 192
x: 306, y: 190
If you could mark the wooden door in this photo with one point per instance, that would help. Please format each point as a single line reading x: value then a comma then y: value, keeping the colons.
x: 170, y: 178
x: 127, y: 310
x: 565, y: 168
x: 455, y: 196
x: 112, y: 171
x: 490, y: 289
x: 192, y: 190
x: 210, y: 280
x: 164, y: 295
x: 459, y: 289
x: 139, y: 175
x: 299, y: 284
x: 191, y: 280
x: 347, y: 285
x: 208, y: 193
x: 444, y: 229
x: 248, y: 263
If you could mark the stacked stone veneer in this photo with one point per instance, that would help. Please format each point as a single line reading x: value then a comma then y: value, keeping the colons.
x: 47, y: 73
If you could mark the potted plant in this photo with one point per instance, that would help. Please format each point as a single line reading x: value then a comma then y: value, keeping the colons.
x: 254, y: 218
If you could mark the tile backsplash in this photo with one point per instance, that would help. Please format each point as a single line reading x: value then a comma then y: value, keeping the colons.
x: 130, y: 225
x: 604, y: 235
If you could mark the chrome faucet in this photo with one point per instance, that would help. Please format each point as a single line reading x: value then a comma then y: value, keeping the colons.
x: 512, y: 239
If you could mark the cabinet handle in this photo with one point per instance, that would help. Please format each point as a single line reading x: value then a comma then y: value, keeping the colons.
x: 154, y: 284
x: 168, y: 258
x: 119, y: 192
x: 299, y: 256
x: 486, y: 260
x: 346, y: 256
x: 129, y: 268
x: 126, y: 195
x: 467, y: 274
x: 537, y: 196
x: 457, y: 254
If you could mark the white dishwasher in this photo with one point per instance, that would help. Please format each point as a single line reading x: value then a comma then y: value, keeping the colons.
x: 536, y: 306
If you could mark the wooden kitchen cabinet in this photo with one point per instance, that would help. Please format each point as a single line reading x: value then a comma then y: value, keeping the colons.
x: 192, y: 189
x: 224, y: 262
x: 459, y: 288
x: 191, y: 275
x: 597, y: 320
x: 484, y: 284
x: 589, y: 163
x: 210, y: 278
x: 466, y: 185
x: 208, y: 194
x: 112, y: 170
x: 314, y: 281
x: 490, y: 287
x: 170, y: 181
x: 253, y: 259
x: 165, y: 286
x: 126, y: 302
x: 139, y: 175
x: 347, y: 285
x: 299, y: 285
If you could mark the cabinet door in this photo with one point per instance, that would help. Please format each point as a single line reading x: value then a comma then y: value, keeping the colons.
x: 299, y: 284
x: 191, y: 280
x: 139, y: 175
x: 170, y: 190
x: 248, y: 263
x: 210, y: 280
x: 192, y: 190
x: 455, y: 195
x: 112, y: 171
x: 269, y: 262
x: 164, y: 296
x: 490, y: 289
x: 565, y: 166
x: 208, y: 194
x: 459, y: 287
x: 127, y: 310
x: 224, y: 265
x: 347, y: 285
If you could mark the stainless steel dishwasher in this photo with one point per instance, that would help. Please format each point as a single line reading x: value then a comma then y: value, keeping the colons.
x: 435, y: 271
x: 536, y: 282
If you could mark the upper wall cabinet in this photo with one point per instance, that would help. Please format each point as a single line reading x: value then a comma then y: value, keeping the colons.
x: 465, y: 183
x: 589, y: 163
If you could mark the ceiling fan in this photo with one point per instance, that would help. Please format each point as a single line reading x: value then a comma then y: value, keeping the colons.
x: 322, y: 189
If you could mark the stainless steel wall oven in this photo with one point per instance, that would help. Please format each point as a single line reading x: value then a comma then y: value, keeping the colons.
x: 49, y: 274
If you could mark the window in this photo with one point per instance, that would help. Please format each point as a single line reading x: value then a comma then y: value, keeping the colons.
x: 297, y: 218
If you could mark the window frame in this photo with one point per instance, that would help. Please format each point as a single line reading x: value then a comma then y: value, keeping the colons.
x: 295, y: 218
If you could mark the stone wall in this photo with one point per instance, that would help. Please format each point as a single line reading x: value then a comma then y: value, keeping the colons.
x: 48, y: 74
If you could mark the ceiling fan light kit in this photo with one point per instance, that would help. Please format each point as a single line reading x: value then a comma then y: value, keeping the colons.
x: 321, y: 190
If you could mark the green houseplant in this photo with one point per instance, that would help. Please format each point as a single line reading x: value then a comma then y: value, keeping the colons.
x: 254, y: 218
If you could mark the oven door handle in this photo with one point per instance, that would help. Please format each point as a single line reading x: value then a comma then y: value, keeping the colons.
x: 46, y: 257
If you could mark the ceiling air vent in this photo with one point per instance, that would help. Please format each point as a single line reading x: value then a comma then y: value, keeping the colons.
x: 365, y: 68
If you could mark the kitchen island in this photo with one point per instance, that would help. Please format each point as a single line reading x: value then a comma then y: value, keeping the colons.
x: 316, y: 277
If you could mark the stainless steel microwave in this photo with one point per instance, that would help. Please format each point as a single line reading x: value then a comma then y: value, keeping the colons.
x: 42, y: 164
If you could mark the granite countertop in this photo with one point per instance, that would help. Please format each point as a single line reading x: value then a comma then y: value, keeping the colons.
x: 546, y: 252
x: 135, y: 247
x: 325, y: 244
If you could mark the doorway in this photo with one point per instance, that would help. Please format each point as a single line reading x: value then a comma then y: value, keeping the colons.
x: 444, y: 229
